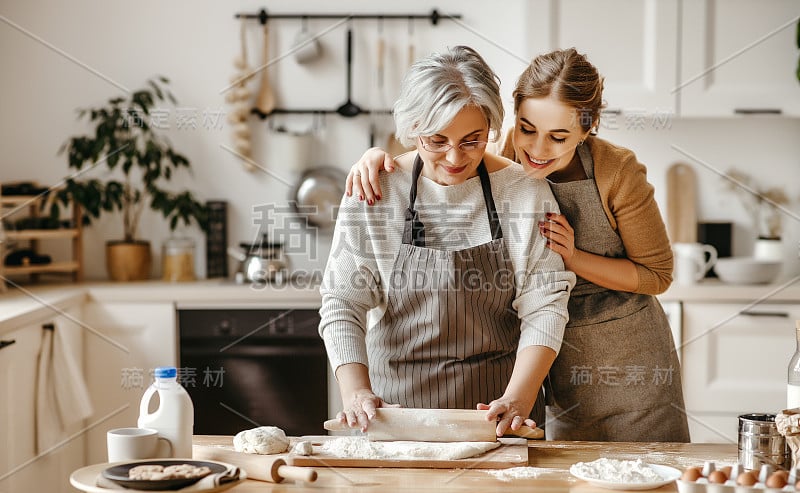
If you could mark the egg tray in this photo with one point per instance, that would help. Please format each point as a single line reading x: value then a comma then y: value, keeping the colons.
x: 702, y: 485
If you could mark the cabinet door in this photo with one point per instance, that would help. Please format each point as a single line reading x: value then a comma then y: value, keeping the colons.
x: 738, y: 56
x: 735, y: 358
x: 633, y: 44
x: 127, y: 342
x: 27, y: 468
x: 19, y: 387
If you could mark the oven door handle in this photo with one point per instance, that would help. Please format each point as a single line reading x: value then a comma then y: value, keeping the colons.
x: 231, y: 350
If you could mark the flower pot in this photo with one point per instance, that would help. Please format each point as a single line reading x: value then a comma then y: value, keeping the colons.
x: 128, y: 261
x: 768, y: 249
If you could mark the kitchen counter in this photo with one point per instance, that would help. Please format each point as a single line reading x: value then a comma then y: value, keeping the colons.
x: 19, y: 305
x: 550, y: 460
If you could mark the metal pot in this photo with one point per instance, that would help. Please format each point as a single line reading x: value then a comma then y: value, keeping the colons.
x: 260, y: 262
x: 317, y: 195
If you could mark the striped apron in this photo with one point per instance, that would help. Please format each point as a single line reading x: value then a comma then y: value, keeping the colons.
x: 449, y: 336
x: 617, y: 376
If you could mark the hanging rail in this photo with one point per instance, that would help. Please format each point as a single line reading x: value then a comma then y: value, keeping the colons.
x: 263, y: 16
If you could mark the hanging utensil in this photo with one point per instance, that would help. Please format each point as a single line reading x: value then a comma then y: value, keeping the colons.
x: 265, y: 102
x: 410, y: 41
x: 349, y: 108
x: 380, y: 50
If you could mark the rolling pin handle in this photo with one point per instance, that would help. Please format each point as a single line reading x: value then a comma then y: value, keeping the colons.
x: 297, y: 473
x: 335, y: 425
x: 527, y: 432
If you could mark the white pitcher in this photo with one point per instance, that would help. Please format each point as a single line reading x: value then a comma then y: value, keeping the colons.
x: 692, y: 261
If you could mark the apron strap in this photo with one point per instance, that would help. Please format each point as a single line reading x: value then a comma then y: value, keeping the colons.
x: 585, y: 154
x: 414, y: 230
x: 491, y: 210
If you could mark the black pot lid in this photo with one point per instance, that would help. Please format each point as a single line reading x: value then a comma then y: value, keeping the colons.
x: 263, y: 244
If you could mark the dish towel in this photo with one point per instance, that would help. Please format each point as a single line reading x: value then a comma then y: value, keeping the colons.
x: 230, y: 475
x: 62, y: 397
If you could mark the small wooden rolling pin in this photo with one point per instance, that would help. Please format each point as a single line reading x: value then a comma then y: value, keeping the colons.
x: 259, y: 467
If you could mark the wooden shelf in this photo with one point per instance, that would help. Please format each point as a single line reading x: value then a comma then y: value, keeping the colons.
x: 67, y: 267
x: 16, y: 200
x: 42, y: 234
x: 30, y: 205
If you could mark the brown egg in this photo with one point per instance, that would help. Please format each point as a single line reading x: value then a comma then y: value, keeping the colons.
x: 746, y: 479
x: 691, y: 474
x: 727, y: 471
x: 777, y: 479
x: 717, y: 477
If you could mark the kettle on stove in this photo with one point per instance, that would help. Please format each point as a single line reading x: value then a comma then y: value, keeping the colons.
x: 261, y: 262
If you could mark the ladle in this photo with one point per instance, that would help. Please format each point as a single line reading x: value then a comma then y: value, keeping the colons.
x: 349, y: 108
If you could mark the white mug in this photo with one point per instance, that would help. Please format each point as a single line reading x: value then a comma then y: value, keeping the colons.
x: 126, y: 444
x: 692, y: 261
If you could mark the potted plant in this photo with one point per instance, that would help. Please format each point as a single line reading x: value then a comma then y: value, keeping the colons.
x: 766, y: 207
x: 138, y: 163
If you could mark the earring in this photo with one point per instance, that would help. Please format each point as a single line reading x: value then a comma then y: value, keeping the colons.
x: 580, y: 143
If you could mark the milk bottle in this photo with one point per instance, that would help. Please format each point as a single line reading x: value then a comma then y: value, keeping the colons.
x: 174, y: 418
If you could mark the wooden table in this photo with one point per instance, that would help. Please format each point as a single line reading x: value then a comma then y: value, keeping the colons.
x: 551, y: 459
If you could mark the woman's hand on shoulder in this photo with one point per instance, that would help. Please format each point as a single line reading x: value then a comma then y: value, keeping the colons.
x: 361, y: 409
x: 363, y: 178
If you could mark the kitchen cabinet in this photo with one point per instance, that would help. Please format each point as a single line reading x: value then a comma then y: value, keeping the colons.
x: 632, y: 43
x: 127, y: 342
x: 704, y: 58
x: 735, y: 358
x: 22, y: 466
x: 738, y: 57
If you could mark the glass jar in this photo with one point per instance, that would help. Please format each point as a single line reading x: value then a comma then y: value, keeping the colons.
x: 177, y: 257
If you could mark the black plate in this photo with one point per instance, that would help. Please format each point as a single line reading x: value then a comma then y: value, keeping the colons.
x: 119, y: 474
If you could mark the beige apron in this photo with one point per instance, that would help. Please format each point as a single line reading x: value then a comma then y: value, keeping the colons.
x: 445, y: 340
x: 617, y: 376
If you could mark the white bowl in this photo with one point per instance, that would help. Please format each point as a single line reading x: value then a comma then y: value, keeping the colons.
x: 747, y: 270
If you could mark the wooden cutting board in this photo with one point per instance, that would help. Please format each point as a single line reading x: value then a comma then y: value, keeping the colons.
x: 512, y: 453
x: 682, y: 203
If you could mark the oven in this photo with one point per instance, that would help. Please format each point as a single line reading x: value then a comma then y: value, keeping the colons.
x: 254, y: 367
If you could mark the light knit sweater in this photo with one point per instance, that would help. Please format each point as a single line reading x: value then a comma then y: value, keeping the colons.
x: 630, y: 206
x: 366, y: 241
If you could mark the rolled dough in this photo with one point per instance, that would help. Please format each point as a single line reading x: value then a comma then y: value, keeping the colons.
x: 362, y: 448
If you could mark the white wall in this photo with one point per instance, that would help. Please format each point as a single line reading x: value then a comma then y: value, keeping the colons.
x: 58, y: 56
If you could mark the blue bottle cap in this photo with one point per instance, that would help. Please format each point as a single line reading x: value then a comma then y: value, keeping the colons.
x: 166, y: 372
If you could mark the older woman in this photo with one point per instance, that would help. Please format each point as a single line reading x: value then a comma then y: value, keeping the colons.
x: 467, y: 306
x: 618, y: 376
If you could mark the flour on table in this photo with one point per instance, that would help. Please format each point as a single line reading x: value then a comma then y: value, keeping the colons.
x: 362, y: 448
x: 616, y: 471
x: 521, y: 473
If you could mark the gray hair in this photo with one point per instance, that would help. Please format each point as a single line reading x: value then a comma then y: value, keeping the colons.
x: 436, y: 88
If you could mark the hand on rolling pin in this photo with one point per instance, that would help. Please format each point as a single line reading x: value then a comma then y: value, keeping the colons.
x: 507, y: 413
x: 361, y: 408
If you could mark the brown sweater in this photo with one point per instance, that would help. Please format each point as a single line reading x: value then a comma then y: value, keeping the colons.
x: 631, y: 209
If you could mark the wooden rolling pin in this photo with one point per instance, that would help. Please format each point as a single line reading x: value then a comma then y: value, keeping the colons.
x: 259, y: 467
x: 434, y: 425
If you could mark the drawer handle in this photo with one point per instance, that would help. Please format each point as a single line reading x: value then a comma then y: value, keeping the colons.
x: 7, y: 343
x: 758, y: 111
x: 764, y: 314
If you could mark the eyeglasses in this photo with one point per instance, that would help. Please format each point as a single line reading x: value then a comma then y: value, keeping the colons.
x: 470, y: 146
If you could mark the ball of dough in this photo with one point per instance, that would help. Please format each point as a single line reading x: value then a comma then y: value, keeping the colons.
x: 303, y: 447
x: 261, y: 440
